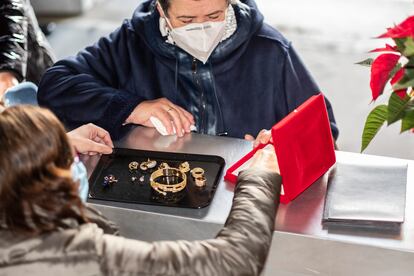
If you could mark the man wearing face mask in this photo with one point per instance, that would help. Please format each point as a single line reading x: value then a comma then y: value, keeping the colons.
x: 180, y: 65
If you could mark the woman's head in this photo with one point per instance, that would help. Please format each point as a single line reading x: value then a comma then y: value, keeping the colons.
x: 183, y: 12
x: 36, y: 188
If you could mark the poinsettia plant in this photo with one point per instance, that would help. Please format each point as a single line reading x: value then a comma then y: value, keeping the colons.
x: 395, y: 65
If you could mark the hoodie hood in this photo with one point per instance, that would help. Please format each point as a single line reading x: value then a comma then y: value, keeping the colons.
x: 145, y: 23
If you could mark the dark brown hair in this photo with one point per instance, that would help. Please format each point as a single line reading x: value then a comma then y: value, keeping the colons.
x: 37, y: 192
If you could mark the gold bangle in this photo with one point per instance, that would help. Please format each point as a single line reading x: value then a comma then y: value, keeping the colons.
x: 168, y: 188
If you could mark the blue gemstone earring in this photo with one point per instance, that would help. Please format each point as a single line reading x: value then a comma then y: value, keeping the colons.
x: 109, y: 180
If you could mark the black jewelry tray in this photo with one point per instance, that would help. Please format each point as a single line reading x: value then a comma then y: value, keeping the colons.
x: 125, y: 190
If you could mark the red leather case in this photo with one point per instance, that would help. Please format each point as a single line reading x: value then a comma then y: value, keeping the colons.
x: 304, y: 147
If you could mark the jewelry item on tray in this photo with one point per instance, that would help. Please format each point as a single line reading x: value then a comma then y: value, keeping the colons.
x: 133, y: 179
x: 164, y: 166
x: 109, y: 180
x: 143, y: 166
x: 141, y: 179
x: 174, y: 178
x: 197, y: 172
x: 200, y: 182
x: 150, y: 164
x: 133, y: 166
x: 184, y: 167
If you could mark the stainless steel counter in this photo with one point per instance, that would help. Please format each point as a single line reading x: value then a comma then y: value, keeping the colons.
x: 301, y: 246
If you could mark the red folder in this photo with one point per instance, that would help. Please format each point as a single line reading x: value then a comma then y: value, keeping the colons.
x: 304, y: 147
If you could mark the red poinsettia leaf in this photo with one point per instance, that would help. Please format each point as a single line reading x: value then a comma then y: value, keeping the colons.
x: 397, y: 77
x: 401, y: 93
x: 380, y: 72
x: 404, y: 29
x: 387, y: 48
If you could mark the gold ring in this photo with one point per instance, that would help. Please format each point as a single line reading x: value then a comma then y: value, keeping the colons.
x: 200, y: 181
x: 197, y: 172
x: 170, y: 175
x: 133, y: 166
x: 143, y: 166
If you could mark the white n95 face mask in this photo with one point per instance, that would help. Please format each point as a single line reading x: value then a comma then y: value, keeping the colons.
x: 198, y: 39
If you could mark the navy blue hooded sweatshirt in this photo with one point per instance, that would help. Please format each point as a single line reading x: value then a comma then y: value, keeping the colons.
x: 251, y: 81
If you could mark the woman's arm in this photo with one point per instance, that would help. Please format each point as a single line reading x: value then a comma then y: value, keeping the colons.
x: 240, y: 248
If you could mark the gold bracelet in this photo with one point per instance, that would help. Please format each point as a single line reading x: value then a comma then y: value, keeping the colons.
x: 168, y: 188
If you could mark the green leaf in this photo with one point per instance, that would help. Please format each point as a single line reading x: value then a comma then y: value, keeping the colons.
x: 396, y: 108
x: 408, y: 121
x: 374, y: 122
x: 367, y: 63
x: 410, y: 105
x: 400, y: 42
x: 410, y: 63
x: 395, y: 70
x: 401, y: 86
x: 406, y: 82
x: 409, y: 47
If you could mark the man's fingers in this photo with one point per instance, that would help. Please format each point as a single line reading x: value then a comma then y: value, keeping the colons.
x: 175, y: 116
x: 184, y: 120
x: 165, y: 119
x: 188, y: 115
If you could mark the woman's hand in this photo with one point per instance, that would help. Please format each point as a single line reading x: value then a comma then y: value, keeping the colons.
x: 7, y: 80
x: 264, y: 137
x: 265, y: 159
x: 171, y: 116
x: 91, y: 139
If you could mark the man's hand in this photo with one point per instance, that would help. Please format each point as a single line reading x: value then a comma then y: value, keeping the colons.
x: 264, y: 137
x: 7, y: 80
x: 91, y: 139
x: 265, y: 159
x: 171, y: 115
